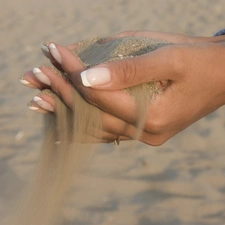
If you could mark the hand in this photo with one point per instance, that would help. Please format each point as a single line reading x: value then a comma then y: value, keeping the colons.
x: 195, y: 86
x: 170, y: 37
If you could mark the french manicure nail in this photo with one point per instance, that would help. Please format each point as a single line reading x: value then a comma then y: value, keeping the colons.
x: 44, y: 47
x: 41, y: 76
x: 25, y: 82
x: 55, y: 53
x: 95, y: 76
x: 31, y: 107
x: 43, y: 104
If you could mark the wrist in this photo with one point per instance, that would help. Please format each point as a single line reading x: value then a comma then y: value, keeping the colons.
x: 219, y: 70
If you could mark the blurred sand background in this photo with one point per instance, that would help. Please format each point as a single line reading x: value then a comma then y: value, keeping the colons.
x: 181, y: 182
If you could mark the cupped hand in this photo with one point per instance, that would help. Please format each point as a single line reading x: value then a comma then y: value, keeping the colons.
x: 192, y: 74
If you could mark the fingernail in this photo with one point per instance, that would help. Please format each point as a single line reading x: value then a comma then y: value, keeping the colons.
x: 25, y: 82
x: 41, y: 76
x: 95, y: 76
x: 43, y: 104
x: 55, y: 53
x: 33, y: 108
x: 44, y: 47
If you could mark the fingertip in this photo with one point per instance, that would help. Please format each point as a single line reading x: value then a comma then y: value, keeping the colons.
x: 45, y: 50
x: 71, y: 64
x: 28, y: 80
x: 55, y: 53
x: 50, y: 51
x: 35, y: 108
x: 84, y: 79
x: 96, y: 76
x: 44, y: 47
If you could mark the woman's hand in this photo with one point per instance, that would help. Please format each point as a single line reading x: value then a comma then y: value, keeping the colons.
x: 193, y: 74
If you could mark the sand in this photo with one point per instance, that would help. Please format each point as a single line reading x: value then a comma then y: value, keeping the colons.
x: 181, y: 182
x: 64, y: 150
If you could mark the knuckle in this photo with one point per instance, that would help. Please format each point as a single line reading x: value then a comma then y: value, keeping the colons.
x: 176, y: 56
x: 127, y: 71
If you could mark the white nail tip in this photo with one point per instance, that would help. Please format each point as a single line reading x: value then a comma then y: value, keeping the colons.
x: 52, y: 46
x: 55, y: 53
x: 44, y: 48
x: 41, y: 76
x: 32, y: 108
x: 36, y: 70
x: 43, y: 104
x: 24, y: 82
x: 84, y: 79
x: 36, y: 98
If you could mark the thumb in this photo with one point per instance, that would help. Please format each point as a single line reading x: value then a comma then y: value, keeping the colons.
x: 154, y: 66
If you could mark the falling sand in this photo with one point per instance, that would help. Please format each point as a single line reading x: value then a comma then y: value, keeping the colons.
x: 60, y: 161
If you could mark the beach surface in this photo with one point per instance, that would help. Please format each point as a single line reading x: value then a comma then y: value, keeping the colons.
x: 181, y: 182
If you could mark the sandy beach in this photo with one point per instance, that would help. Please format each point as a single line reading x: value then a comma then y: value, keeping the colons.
x: 179, y: 183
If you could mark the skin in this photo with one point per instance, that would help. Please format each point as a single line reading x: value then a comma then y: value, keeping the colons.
x: 191, y: 72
